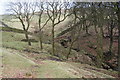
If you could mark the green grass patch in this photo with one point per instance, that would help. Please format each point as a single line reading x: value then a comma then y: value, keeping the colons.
x: 10, y: 29
x: 13, y: 40
x: 15, y: 60
x: 54, y: 69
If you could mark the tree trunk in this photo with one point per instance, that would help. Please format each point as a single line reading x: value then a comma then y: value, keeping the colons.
x: 87, y: 30
x: 27, y: 38
x: 101, y: 44
x: 118, y: 14
x: 53, y: 45
x: 40, y: 34
x: 40, y: 41
x: 108, y: 31
x: 102, y: 31
x: 111, y: 37
x: 70, y: 48
x: 99, y: 49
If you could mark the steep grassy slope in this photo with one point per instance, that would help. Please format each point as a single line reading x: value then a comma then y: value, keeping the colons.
x: 15, y: 65
x: 21, y: 60
x: 14, y: 40
x: 30, y: 64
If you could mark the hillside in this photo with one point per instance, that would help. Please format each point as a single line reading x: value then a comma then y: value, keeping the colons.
x: 21, y: 66
x: 60, y: 40
x: 22, y: 61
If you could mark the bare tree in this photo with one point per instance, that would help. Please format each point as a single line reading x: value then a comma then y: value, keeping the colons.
x: 81, y: 21
x: 74, y: 35
x: 57, y: 12
x: 24, y: 12
x: 116, y: 8
x: 41, y: 10
x: 112, y: 23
